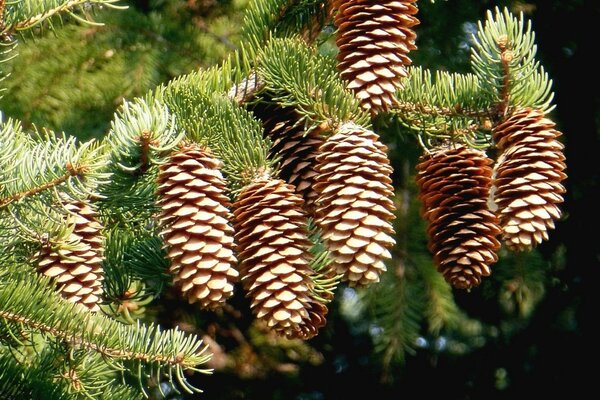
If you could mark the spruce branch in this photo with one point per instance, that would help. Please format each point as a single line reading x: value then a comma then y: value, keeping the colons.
x: 397, y: 312
x: 503, y: 58
x: 324, y: 277
x: 71, y: 171
x: 230, y: 131
x: 284, y: 18
x: 150, y: 348
x: 136, y: 272
x: 55, y: 373
x: 125, y: 293
x: 48, y: 161
x: 232, y: 78
x: 147, y: 261
x: 442, y: 94
x: 440, y: 309
x: 7, y: 45
x: 26, y: 14
x: 296, y: 76
x: 19, y: 380
x: 523, y: 278
x: 444, y: 106
x: 142, y: 134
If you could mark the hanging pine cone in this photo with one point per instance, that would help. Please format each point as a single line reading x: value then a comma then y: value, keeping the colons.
x: 354, y: 207
x: 454, y: 186
x: 317, y: 312
x: 273, y: 248
x: 196, y: 230
x: 374, y: 38
x: 76, y: 265
x: 296, y: 148
x: 527, y: 178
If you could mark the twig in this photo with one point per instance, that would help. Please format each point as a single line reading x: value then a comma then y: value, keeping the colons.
x: 72, y: 170
x: 506, y: 57
x: 70, y: 338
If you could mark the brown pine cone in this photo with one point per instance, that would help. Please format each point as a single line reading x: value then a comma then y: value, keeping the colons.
x: 374, y: 38
x: 454, y: 187
x: 354, y: 207
x: 195, y: 226
x: 296, y: 148
x: 76, y: 265
x: 273, y: 248
x: 527, y: 178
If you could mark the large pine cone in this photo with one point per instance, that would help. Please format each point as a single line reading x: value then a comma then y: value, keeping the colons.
x: 296, y: 148
x: 527, y: 178
x: 354, y: 207
x: 196, y: 230
x: 76, y: 265
x: 454, y: 187
x: 374, y: 38
x: 273, y: 248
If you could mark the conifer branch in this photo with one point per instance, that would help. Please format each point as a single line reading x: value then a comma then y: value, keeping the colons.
x: 26, y: 14
x: 230, y: 131
x: 440, y: 309
x: 56, y: 373
x: 503, y: 58
x: 442, y: 94
x: 429, y: 109
x: 284, y: 19
x: 80, y: 341
x: 324, y: 278
x: 142, y: 134
x: 44, y: 311
x: 46, y: 161
x: 295, y: 75
x: 30, y: 381
x: 523, y: 279
x: 71, y: 171
x: 397, y: 310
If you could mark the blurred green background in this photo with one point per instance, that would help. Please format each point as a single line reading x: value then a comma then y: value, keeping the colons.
x: 525, y: 331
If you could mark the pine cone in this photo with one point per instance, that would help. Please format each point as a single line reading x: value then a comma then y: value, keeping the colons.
x: 454, y: 187
x: 296, y: 148
x: 374, y: 38
x: 76, y: 266
x: 273, y: 248
x: 527, y: 178
x: 354, y: 207
x: 194, y: 219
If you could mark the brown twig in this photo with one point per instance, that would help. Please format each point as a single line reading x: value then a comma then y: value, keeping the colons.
x: 145, y: 143
x: 456, y: 111
x: 72, y: 170
x: 506, y: 57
